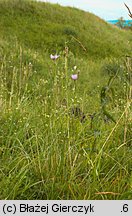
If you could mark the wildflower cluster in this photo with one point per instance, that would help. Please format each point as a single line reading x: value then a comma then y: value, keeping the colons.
x: 75, y: 74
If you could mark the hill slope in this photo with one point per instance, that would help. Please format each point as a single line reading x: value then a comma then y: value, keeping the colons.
x: 44, y: 26
x: 63, y: 138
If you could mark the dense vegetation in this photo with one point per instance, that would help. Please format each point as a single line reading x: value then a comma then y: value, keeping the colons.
x: 126, y: 25
x: 62, y: 138
x: 44, y: 26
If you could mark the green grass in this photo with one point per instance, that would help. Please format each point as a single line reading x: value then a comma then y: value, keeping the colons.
x: 46, y: 152
x: 45, y: 26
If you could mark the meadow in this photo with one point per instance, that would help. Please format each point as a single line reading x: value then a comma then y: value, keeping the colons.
x: 65, y: 120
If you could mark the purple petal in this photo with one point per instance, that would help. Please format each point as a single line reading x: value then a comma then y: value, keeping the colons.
x: 74, y: 76
x: 54, y: 57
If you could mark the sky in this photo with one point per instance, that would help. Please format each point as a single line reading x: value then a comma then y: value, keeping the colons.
x: 106, y: 9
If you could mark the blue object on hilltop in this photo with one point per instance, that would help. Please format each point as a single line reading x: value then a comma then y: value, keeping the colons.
x: 114, y: 22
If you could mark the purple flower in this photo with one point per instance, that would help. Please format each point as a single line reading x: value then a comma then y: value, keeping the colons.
x: 54, y: 57
x: 74, y: 76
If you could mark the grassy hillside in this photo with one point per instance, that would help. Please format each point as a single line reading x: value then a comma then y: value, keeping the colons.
x: 62, y: 138
x: 45, y: 26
